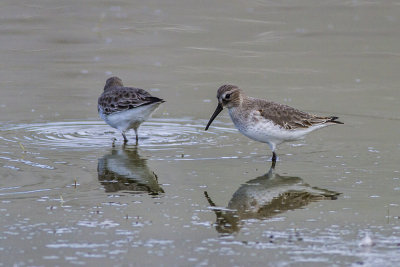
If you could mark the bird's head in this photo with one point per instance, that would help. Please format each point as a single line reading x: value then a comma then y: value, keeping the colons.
x: 228, y: 96
x: 113, y: 82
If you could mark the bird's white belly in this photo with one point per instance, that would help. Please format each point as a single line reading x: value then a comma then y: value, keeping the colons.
x: 266, y: 131
x: 130, y: 118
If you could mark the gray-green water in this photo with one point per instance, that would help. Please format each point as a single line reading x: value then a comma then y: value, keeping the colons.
x: 67, y: 197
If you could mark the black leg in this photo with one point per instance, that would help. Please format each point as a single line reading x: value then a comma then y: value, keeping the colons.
x: 273, y: 165
x: 137, y: 135
x: 125, y: 139
x: 274, y: 157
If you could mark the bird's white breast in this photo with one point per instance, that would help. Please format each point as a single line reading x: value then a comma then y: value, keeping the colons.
x: 263, y: 130
x: 130, y: 118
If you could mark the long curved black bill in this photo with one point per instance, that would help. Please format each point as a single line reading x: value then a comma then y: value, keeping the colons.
x: 216, y: 112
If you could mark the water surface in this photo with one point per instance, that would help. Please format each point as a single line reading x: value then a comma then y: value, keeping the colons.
x: 185, y: 196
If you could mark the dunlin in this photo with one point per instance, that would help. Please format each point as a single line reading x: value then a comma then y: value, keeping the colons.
x: 266, y: 121
x: 125, y: 108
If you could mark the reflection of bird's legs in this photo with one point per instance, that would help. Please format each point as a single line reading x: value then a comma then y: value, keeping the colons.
x: 271, y: 171
x: 273, y: 162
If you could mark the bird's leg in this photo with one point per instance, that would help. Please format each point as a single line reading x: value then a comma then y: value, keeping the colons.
x: 125, y: 139
x: 137, y: 135
x: 272, y: 146
x: 274, y: 157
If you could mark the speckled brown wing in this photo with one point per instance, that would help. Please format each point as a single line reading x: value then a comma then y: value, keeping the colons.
x: 123, y: 98
x: 290, y: 118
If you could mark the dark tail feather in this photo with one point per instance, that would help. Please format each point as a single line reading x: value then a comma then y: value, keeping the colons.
x: 151, y: 100
x: 334, y: 120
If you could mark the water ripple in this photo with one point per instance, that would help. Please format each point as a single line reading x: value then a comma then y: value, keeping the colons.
x: 87, y: 134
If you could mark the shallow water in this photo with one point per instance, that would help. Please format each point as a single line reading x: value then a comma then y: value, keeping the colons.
x: 185, y: 196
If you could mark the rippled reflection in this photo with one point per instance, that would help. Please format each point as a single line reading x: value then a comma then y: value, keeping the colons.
x: 124, y: 170
x: 265, y: 197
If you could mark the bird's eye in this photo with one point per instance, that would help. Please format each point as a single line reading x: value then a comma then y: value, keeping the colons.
x: 227, y: 96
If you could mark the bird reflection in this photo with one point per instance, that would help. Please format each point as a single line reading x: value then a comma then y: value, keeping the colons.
x: 124, y: 170
x: 265, y: 197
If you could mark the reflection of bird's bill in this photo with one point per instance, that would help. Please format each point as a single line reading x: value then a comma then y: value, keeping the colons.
x: 123, y: 169
x: 227, y: 221
x: 214, y: 115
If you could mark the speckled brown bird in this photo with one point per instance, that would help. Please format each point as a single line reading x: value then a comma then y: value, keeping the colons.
x: 125, y: 108
x: 266, y: 121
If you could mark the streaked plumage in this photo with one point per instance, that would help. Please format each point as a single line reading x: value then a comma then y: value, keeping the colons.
x: 266, y: 121
x: 125, y: 108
